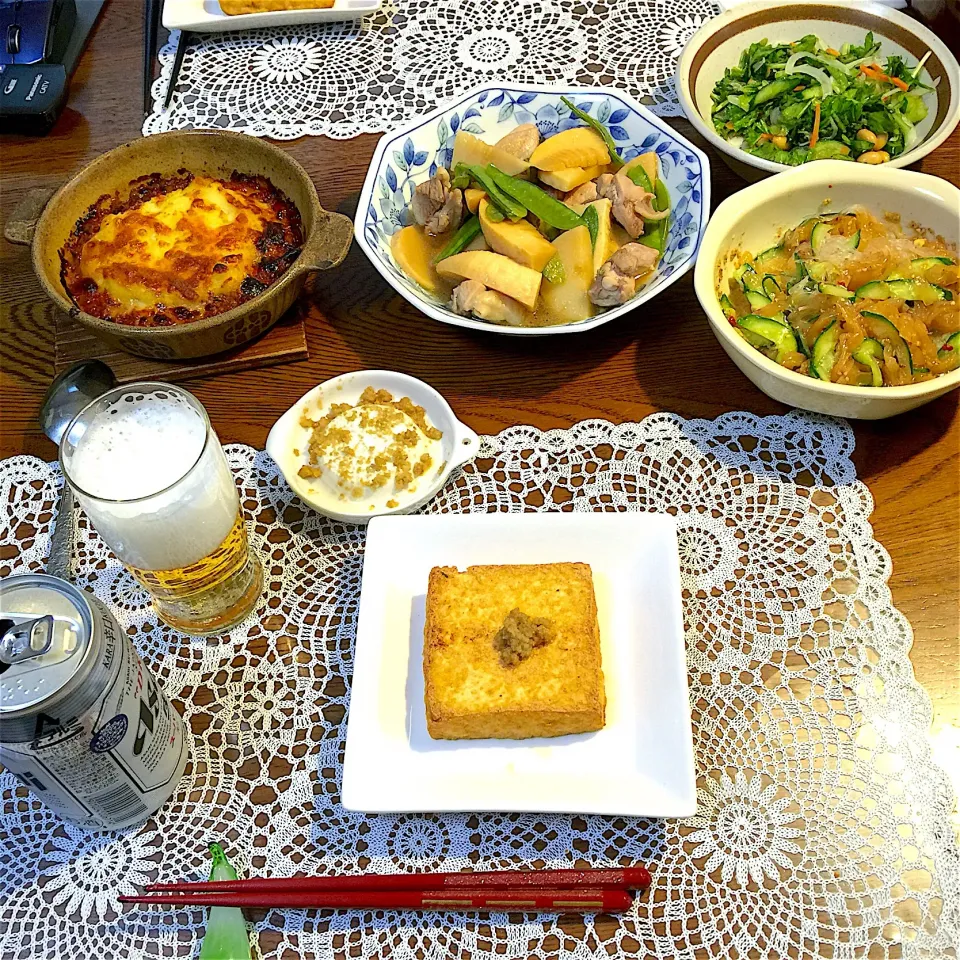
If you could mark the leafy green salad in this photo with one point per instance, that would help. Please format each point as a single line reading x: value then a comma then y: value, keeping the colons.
x: 801, y: 101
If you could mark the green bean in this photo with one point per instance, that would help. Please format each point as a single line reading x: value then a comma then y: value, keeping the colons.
x: 506, y: 202
x: 461, y: 239
x: 537, y: 201
x: 615, y: 157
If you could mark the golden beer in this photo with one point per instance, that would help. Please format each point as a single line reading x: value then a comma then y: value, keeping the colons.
x: 149, y: 470
x: 211, y: 594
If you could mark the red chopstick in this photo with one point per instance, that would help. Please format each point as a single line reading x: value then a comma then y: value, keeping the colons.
x: 582, y: 900
x: 625, y: 878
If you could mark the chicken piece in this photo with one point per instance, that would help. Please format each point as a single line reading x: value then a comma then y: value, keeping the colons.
x: 585, y: 193
x: 631, y: 203
x: 616, y: 282
x: 521, y: 141
x: 472, y: 297
x: 436, y: 207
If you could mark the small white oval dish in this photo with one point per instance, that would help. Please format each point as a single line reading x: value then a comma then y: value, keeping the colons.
x: 457, y: 445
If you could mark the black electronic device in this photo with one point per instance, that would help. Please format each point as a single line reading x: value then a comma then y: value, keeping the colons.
x: 32, y: 31
x: 40, y: 44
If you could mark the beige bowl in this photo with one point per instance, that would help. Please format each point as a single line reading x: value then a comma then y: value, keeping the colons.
x: 719, y: 43
x: 757, y: 216
x: 327, y: 236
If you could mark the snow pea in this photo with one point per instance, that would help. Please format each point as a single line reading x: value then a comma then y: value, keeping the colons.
x: 656, y: 236
x: 592, y: 220
x: 506, y: 202
x: 537, y: 201
x: 615, y: 157
x: 461, y: 239
x: 639, y: 176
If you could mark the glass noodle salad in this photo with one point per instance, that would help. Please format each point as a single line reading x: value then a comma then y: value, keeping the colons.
x: 848, y: 298
x: 802, y: 101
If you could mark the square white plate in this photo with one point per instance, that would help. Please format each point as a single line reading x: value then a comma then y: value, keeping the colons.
x: 640, y: 764
x: 206, y: 16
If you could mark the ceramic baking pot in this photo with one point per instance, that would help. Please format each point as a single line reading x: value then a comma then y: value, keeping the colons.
x: 327, y: 236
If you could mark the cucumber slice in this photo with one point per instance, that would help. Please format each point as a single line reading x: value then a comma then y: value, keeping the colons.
x: 800, y: 268
x: 835, y: 290
x: 869, y: 353
x: 882, y: 329
x: 756, y: 300
x: 770, y: 286
x: 777, y: 334
x: 924, y: 263
x: 769, y: 253
x: 819, y: 270
x: 752, y: 281
x: 949, y: 352
x: 917, y: 290
x: 801, y: 343
x: 819, y: 234
x: 818, y: 237
x: 727, y: 307
x: 874, y: 290
x: 743, y: 270
x: 774, y: 89
x: 825, y: 352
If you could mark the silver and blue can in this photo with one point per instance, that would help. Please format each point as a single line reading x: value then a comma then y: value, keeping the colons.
x: 83, y: 724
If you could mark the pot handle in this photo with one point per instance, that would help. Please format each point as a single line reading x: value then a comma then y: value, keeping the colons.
x: 19, y: 229
x: 329, y: 246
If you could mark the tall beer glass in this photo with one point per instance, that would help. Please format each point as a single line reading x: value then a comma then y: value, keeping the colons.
x: 147, y: 467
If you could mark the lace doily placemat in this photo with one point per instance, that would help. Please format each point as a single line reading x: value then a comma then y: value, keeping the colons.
x: 372, y: 75
x: 822, y: 827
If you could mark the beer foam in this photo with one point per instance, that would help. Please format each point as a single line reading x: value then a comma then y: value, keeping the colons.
x: 165, y: 498
x: 137, y: 449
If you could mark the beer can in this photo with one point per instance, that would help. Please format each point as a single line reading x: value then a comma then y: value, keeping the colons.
x: 83, y: 724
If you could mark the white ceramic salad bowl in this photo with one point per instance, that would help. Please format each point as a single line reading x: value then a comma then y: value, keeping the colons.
x: 752, y: 220
x: 719, y: 43
x: 411, y: 155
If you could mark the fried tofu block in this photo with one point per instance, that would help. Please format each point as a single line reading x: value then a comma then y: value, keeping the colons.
x: 235, y: 8
x: 468, y: 691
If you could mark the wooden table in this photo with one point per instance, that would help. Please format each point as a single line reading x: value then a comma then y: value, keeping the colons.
x: 662, y: 357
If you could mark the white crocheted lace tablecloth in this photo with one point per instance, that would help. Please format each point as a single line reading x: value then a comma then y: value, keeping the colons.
x: 823, y: 825
x: 373, y: 75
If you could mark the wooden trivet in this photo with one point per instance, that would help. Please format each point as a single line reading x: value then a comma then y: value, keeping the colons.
x: 284, y: 342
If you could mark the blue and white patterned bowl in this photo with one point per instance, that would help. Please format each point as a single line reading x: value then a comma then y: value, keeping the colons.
x: 412, y: 154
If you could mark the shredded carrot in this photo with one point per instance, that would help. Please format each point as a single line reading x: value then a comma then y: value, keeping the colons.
x: 799, y: 87
x: 815, y: 135
x: 832, y: 52
x: 764, y: 137
x: 873, y: 72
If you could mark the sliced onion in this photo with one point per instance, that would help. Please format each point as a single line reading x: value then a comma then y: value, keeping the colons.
x: 797, y: 57
x: 919, y: 66
x: 821, y: 76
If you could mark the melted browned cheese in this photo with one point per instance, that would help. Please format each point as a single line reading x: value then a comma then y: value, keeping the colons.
x: 196, y: 248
